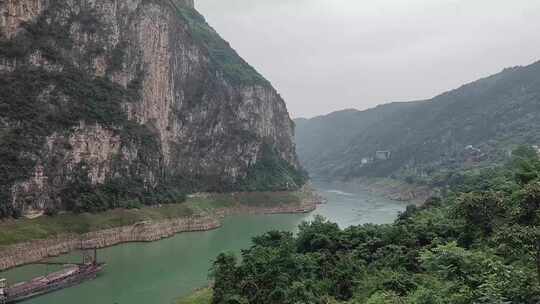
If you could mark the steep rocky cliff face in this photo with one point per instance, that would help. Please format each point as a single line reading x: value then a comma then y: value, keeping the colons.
x: 110, y: 103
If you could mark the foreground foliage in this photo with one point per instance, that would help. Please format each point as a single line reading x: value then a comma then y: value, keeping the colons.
x: 479, y: 244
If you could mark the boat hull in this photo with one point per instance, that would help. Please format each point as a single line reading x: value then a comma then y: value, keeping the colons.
x: 86, y: 274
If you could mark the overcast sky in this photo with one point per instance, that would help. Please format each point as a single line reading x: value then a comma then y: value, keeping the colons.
x: 327, y: 55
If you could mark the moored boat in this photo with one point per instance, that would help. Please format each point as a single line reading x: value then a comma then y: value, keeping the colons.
x: 73, y: 274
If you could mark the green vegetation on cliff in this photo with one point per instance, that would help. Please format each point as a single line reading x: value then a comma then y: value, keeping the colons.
x: 30, y: 117
x: 223, y: 57
x: 49, y: 86
x: 477, y: 244
x: 36, y: 102
x: 271, y: 171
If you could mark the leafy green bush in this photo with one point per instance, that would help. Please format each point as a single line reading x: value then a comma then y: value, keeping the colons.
x: 475, y: 247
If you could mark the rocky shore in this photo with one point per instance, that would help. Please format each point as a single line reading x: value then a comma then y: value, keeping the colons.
x: 388, y: 188
x: 396, y: 190
x: 148, y: 231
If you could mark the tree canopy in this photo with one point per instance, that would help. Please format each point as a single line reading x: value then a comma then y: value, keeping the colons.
x: 474, y: 245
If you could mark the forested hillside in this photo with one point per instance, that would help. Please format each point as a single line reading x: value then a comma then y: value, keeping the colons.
x: 477, y: 244
x: 478, y: 123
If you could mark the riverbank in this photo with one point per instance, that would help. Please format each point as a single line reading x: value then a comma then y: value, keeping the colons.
x: 388, y: 188
x: 396, y: 189
x: 28, y: 241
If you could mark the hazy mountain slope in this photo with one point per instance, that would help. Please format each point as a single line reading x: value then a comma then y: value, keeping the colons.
x: 322, y: 142
x: 492, y: 114
x: 108, y: 103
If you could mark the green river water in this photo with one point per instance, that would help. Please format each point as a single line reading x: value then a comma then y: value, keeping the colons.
x: 160, y: 272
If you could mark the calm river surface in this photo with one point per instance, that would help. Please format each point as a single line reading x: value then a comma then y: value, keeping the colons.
x: 160, y: 272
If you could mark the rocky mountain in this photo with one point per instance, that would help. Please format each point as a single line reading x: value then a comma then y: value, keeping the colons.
x: 474, y: 125
x: 112, y: 103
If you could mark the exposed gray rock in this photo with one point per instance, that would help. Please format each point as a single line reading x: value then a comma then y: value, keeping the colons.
x: 206, y: 125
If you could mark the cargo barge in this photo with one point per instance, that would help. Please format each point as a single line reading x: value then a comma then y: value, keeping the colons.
x: 73, y: 274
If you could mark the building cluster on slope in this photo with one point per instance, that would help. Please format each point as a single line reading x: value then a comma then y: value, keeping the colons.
x: 473, y: 154
x: 379, y: 156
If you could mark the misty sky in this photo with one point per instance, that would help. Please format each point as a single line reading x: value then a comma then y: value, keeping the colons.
x: 327, y: 55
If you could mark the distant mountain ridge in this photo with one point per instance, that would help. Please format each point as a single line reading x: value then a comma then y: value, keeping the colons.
x: 475, y: 124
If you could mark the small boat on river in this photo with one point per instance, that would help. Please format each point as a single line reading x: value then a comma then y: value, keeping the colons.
x: 73, y: 274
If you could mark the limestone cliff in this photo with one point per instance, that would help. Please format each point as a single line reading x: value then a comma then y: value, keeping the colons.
x: 108, y: 103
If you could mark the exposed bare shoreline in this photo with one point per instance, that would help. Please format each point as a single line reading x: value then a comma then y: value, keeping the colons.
x: 388, y: 188
x: 34, y: 251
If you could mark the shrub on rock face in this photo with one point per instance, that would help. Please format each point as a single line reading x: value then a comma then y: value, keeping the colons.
x: 271, y: 172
